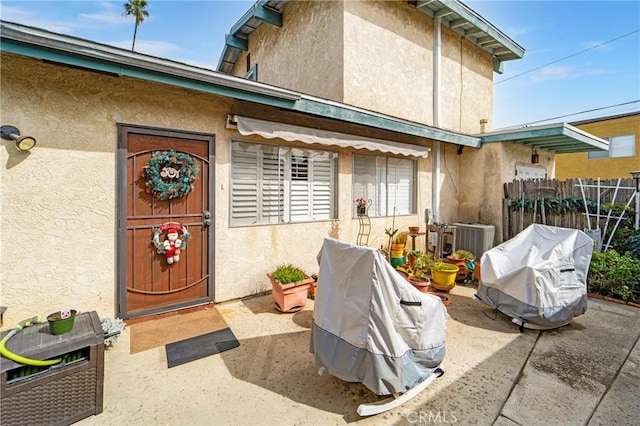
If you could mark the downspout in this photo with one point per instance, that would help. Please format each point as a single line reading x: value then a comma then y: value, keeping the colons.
x: 435, y: 162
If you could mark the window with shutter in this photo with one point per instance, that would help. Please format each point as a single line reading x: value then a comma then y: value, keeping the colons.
x: 387, y: 181
x: 278, y: 184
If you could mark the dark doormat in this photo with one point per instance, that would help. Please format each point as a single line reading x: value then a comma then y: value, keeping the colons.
x: 200, y: 346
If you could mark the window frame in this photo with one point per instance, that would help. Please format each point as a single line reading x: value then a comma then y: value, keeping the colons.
x: 314, y: 178
x: 597, y: 155
x: 361, y: 187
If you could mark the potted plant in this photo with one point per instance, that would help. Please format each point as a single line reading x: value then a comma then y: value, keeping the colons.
x: 397, y: 249
x: 290, y: 287
x: 313, y: 286
x: 415, y: 276
x: 464, y: 260
x: 412, y: 257
x: 443, y: 276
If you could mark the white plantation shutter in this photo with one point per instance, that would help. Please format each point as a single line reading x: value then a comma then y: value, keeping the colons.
x: 272, y: 182
x: 365, y: 182
x: 300, y: 187
x: 244, y: 184
x: 388, y: 182
x: 278, y: 184
x: 322, y: 178
x: 400, y: 178
x: 380, y: 182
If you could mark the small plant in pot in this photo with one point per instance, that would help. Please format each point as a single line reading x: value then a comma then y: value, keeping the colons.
x: 464, y: 260
x: 416, y: 273
x: 290, y: 287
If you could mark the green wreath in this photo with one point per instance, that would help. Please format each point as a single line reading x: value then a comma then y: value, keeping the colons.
x: 170, y: 174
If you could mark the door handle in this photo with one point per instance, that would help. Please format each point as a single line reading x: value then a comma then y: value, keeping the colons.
x: 206, y: 218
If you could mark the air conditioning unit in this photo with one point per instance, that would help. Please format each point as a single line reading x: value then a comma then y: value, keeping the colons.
x: 474, y: 237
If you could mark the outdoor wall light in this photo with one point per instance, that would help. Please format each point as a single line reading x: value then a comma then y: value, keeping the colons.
x: 535, y: 158
x: 11, y: 133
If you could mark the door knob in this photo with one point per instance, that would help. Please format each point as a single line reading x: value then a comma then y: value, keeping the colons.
x: 206, y: 218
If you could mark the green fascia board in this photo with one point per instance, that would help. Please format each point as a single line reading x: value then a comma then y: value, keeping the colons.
x: 236, y: 42
x: 551, y: 137
x: 353, y: 115
x: 116, y: 62
x: 93, y: 64
x: 479, y: 22
x: 577, y: 134
x: 232, y: 41
x: 258, y: 11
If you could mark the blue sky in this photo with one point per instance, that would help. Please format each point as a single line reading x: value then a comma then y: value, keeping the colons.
x: 550, y: 31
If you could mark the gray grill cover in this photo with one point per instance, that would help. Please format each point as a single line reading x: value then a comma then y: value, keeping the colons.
x: 539, y: 276
x: 362, y: 332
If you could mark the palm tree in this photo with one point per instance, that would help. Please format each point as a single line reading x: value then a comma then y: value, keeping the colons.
x: 137, y: 9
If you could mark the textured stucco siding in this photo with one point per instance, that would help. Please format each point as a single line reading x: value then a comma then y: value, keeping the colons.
x: 58, y: 202
x: 305, y: 54
x: 579, y: 166
x: 388, y: 59
x: 389, y: 67
x: 466, y: 94
x: 482, y: 175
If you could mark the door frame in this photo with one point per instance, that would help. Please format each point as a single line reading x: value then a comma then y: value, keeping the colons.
x: 123, y: 130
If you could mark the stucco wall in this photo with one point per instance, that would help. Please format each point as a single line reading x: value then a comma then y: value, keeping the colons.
x: 376, y: 55
x: 579, y: 166
x: 482, y: 175
x: 305, y: 54
x: 58, y: 203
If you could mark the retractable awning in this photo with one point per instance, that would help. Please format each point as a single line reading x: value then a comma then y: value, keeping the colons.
x: 270, y: 130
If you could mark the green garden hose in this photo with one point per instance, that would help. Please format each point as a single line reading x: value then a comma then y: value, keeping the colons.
x: 17, y: 358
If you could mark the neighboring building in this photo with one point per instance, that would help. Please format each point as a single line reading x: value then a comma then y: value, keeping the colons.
x: 273, y: 170
x: 623, y: 133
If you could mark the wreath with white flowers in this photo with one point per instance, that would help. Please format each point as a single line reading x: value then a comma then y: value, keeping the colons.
x: 170, y: 174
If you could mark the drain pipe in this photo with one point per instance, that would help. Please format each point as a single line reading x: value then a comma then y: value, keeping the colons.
x: 435, y: 161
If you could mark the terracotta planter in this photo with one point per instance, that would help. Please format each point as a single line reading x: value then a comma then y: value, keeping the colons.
x: 290, y: 297
x: 476, y: 271
x: 421, y: 284
x: 414, y: 229
x: 312, y: 289
x: 411, y: 260
x: 445, y: 299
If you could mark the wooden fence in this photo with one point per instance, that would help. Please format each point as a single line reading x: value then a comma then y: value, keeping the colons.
x: 565, y: 203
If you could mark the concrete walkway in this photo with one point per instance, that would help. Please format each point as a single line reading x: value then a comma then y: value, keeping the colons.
x: 587, y: 372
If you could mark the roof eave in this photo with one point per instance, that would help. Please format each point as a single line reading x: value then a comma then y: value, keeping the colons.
x: 75, y: 52
x: 237, y: 41
x: 560, y: 138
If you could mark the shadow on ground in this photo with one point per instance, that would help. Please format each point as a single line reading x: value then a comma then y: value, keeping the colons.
x: 493, y: 371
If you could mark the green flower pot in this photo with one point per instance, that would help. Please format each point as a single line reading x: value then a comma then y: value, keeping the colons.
x: 57, y: 325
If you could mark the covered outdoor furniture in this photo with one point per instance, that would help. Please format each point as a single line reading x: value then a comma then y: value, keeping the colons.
x: 371, y: 326
x: 539, y: 277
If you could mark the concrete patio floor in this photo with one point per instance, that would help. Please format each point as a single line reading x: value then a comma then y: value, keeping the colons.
x: 587, y: 372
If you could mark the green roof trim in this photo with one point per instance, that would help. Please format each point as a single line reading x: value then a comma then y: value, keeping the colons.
x: 454, y: 14
x: 561, y: 138
x: 238, y: 36
x: 140, y: 72
x: 66, y: 50
x: 367, y: 118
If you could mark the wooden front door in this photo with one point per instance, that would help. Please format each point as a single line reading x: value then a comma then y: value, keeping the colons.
x: 157, y: 273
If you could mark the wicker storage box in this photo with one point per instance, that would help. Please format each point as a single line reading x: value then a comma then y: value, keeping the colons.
x: 61, y: 394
